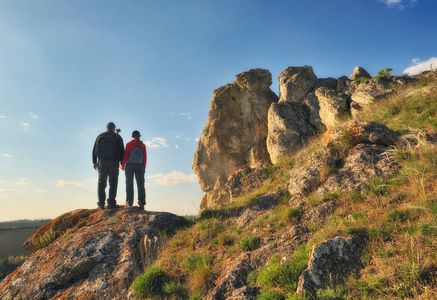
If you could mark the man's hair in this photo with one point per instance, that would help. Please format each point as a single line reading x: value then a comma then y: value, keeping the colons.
x: 110, y: 126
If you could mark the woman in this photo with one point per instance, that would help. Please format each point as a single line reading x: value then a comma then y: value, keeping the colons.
x: 134, y: 163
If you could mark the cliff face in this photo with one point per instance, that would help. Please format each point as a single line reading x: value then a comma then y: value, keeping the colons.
x: 249, y: 126
x: 89, y: 254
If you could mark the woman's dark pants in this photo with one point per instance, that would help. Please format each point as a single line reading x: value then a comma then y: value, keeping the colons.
x: 137, y: 170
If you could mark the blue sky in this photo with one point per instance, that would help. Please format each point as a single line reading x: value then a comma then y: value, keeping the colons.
x: 69, y: 67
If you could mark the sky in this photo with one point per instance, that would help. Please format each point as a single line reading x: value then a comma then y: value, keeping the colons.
x: 67, y: 68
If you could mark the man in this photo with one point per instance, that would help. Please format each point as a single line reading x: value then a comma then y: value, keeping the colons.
x: 108, y: 153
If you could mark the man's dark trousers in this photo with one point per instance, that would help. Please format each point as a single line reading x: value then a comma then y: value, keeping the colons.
x: 107, y: 168
x: 138, y: 171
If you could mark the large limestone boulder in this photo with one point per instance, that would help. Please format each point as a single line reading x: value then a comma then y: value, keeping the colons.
x: 90, y: 254
x: 355, y: 132
x: 355, y: 153
x: 235, y: 133
x: 334, y: 106
x: 375, y: 88
x: 295, y: 83
x: 359, y: 74
x: 330, y: 263
x: 289, y: 127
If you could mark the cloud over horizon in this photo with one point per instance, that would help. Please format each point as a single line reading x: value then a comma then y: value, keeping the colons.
x: 173, y: 178
x: 9, y: 192
x: 157, y: 142
x: 421, y: 66
x: 65, y: 183
x: 399, y: 4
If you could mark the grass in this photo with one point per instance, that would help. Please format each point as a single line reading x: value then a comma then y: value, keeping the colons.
x: 398, y: 215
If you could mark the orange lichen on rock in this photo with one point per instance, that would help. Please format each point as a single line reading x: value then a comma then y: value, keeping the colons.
x: 95, y: 258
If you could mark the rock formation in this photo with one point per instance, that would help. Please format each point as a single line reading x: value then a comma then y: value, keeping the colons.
x: 295, y: 83
x: 330, y: 263
x: 89, y: 254
x: 289, y: 125
x: 248, y: 127
x: 235, y: 133
x: 355, y: 153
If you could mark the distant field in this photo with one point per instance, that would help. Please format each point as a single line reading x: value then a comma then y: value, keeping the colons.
x: 14, y: 234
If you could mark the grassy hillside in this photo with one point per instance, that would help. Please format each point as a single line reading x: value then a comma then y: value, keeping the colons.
x: 398, y: 216
x: 13, y: 234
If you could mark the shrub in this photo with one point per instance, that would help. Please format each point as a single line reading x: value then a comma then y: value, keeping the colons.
x: 150, y: 283
x: 384, y: 72
x: 250, y: 243
x: 9, y: 265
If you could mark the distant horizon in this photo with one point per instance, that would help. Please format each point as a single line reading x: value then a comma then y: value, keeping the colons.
x: 68, y: 68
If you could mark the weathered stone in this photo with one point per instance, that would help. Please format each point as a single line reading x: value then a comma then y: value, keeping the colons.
x: 235, y: 133
x: 328, y: 83
x: 244, y: 293
x: 245, y: 180
x: 330, y: 263
x: 359, y: 73
x: 333, y: 106
x: 295, y: 83
x: 305, y: 180
x: 312, y: 102
x: 97, y: 257
x: 363, y: 163
x: 375, y: 88
x: 319, y: 214
x: 288, y: 129
x: 354, y: 132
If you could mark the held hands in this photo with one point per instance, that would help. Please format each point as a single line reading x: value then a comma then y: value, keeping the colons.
x: 122, y: 167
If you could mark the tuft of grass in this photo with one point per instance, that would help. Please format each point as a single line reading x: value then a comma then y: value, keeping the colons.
x: 250, y: 243
x: 151, y: 283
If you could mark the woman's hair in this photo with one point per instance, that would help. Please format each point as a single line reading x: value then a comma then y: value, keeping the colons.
x: 136, y: 135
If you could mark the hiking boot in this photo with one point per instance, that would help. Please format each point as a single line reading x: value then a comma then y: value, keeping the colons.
x: 127, y: 205
x: 100, y: 208
x: 141, y: 206
x: 112, y: 206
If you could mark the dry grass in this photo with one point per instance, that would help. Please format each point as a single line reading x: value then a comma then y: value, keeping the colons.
x: 399, y: 216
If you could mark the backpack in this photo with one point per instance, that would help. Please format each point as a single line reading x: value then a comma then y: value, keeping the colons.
x: 136, y: 156
x: 106, y: 146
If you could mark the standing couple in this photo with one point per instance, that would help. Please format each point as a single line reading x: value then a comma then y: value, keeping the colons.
x: 108, y: 155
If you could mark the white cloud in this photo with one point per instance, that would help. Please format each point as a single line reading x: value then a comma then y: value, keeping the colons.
x: 2, y: 117
x: 40, y: 191
x: 197, y: 139
x: 21, y: 183
x: 9, y: 192
x: 33, y: 116
x: 25, y: 125
x: 176, y: 146
x: 399, y: 4
x: 421, y: 66
x: 8, y: 155
x: 173, y: 178
x: 65, y: 183
x: 157, y: 142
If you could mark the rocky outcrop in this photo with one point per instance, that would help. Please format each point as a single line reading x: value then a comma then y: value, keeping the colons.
x: 289, y: 126
x: 359, y: 74
x: 334, y: 106
x: 330, y: 263
x: 93, y: 255
x: 355, y: 153
x: 364, y: 93
x: 295, y: 83
x: 235, y: 133
x: 248, y: 126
